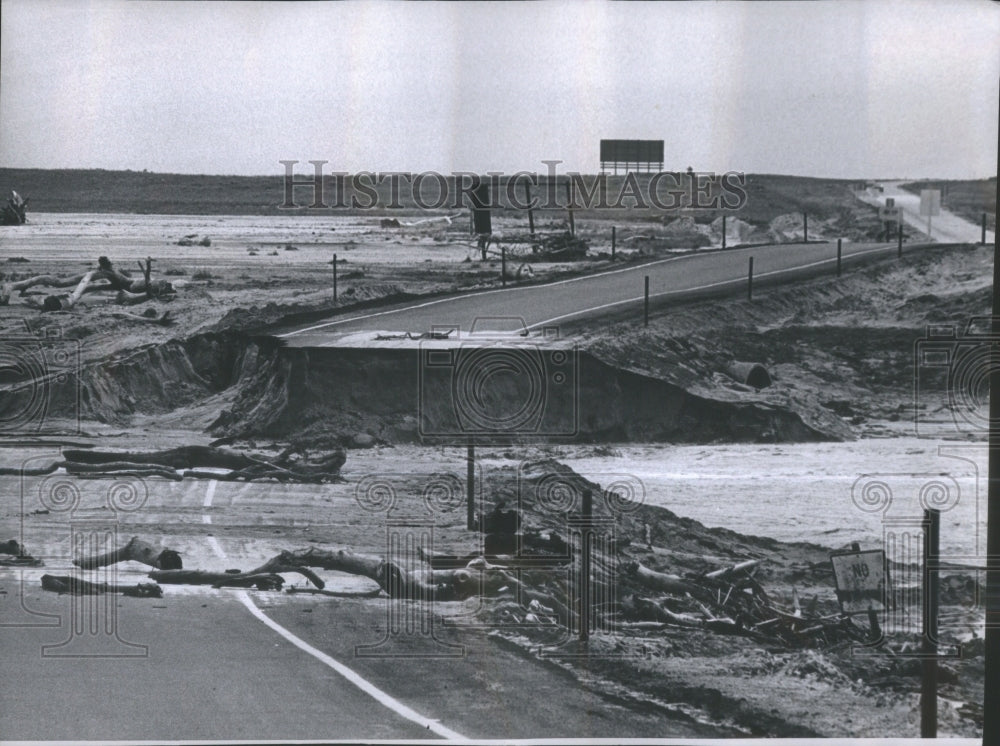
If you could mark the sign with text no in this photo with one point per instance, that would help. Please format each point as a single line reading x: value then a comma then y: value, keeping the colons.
x: 862, y: 580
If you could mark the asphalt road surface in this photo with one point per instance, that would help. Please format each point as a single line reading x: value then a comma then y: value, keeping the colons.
x: 946, y: 227
x: 615, y: 291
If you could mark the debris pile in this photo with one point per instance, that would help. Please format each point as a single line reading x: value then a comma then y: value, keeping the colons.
x: 106, y: 278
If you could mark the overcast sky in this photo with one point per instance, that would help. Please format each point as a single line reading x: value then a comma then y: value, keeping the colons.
x: 844, y: 89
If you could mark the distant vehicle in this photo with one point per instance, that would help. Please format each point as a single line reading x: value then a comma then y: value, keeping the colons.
x: 15, y: 211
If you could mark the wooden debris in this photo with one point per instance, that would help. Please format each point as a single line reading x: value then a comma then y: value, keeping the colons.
x: 80, y: 587
x: 137, y: 550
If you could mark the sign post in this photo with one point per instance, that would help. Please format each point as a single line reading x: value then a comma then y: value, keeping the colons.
x: 862, y: 582
x: 930, y: 204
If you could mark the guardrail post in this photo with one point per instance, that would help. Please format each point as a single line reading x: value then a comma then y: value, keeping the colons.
x: 750, y: 280
x: 805, y: 228
x: 334, y: 279
x: 645, y: 312
x: 723, y: 231
x: 899, y: 240
x: 983, y: 239
x: 613, y: 241
x: 929, y: 664
x: 503, y: 266
x: 839, y: 254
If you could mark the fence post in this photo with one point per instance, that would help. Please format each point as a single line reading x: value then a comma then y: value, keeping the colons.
x: 503, y: 266
x: 929, y: 664
x: 899, y: 240
x: 983, y: 239
x: 613, y: 241
x: 645, y: 312
x: 531, y: 213
x: 470, y: 487
x: 569, y: 207
x: 750, y: 280
x: 584, y: 586
x: 723, y: 231
x: 839, y: 242
x: 805, y: 228
x: 334, y: 279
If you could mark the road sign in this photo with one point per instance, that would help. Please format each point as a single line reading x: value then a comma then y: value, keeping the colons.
x: 862, y: 580
x: 930, y: 202
x: 889, y: 214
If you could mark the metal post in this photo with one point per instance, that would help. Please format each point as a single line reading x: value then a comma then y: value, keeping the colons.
x: 839, y: 254
x: 584, y: 585
x: 723, y: 231
x: 983, y: 239
x: 569, y: 207
x: 750, y: 280
x: 531, y: 213
x: 874, y: 628
x: 899, y: 240
x: 991, y: 683
x: 645, y: 312
x: 503, y: 265
x: 613, y: 239
x: 805, y: 228
x: 929, y: 664
x: 470, y: 488
x: 335, y: 279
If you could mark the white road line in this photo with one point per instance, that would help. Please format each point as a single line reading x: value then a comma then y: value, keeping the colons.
x: 359, y: 681
x: 700, y: 287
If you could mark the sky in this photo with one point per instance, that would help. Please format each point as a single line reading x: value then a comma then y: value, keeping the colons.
x: 850, y: 89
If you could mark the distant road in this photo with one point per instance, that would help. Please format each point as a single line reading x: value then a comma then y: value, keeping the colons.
x: 570, y: 301
x: 946, y: 227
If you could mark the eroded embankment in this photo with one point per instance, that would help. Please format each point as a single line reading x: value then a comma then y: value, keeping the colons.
x: 839, y: 354
x: 384, y: 395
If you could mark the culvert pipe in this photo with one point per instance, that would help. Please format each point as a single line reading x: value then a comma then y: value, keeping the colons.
x: 751, y: 374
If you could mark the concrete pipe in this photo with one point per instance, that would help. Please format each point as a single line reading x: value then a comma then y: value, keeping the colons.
x: 751, y: 374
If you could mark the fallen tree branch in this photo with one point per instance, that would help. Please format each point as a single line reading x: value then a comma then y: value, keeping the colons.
x: 80, y: 587
x: 137, y: 550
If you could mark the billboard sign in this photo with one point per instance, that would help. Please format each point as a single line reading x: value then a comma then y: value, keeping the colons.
x: 632, y: 151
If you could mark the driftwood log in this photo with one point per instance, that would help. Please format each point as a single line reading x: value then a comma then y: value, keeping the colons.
x: 137, y: 550
x: 192, y: 462
x: 80, y: 587
x: 131, y: 291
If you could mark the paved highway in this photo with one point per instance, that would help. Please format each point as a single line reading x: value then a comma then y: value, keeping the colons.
x: 946, y: 227
x: 570, y: 301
